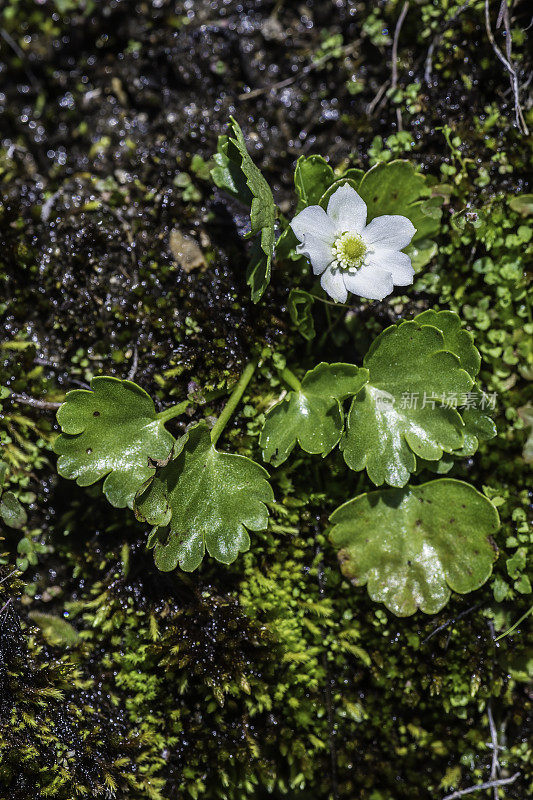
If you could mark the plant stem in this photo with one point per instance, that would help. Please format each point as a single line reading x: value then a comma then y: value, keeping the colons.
x: 290, y: 379
x: 515, y: 626
x: 331, y: 302
x: 45, y: 405
x: 173, y: 411
x: 233, y: 401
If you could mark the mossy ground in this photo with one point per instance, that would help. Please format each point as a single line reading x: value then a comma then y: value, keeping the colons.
x: 272, y: 677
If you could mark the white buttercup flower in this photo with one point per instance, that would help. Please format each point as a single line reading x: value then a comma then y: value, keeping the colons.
x: 350, y: 255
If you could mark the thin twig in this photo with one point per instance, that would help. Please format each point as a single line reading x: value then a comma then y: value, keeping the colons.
x: 520, y: 121
x: 515, y: 626
x: 133, y: 369
x: 394, y: 68
x: 450, y: 622
x: 8, y: 39
x: 503, y: 6
x: 480, y: 786
x: 8, y: 576
x: 381, y: 91
x: 437, y: 39
x: 6, y: 604
x: 46, y: 208
x: 45, y: 405
x: 495, y: 747
x: 345, y: 51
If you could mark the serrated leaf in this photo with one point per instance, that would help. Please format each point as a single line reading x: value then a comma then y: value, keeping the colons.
x: 396, y: 187
x: 300, y: 306
x: 399, y: 414
x: 227, y: 174
x: 56, y: 631
x: 11, y: 511
x: 237, y: 174
x: 260, y: 264
x: 111, y: 431
x: 312, y: 416
x: 413, y: 546
x: 209, y: 500
x: 440, y: 467
x: 456, y: 339
x: 478, y: 426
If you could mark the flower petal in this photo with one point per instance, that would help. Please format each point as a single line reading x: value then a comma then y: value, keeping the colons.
x: 317, y: 251
x: 370, y: 282
x: 395, y: 262
x: 332, y: 281
x: 347, y: 210
x: 313, y: 220
x: 392, y: 232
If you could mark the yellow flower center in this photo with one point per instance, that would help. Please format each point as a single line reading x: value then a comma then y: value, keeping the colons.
x: 349, y: 251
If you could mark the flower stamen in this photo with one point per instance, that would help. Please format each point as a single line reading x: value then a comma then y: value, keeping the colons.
x: 349, y: 251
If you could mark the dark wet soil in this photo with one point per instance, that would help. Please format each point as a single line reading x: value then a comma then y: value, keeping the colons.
x: 102, y: 110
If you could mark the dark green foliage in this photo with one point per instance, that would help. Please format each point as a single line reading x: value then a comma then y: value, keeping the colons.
x: 204, y: 500
x: 111, y: 432
x: 412, y: 547
x: 272, y: 677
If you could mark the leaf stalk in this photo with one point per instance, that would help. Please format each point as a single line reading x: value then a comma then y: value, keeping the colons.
x: 290, y: 379
x: 173, y: 411
x: 233, y: 401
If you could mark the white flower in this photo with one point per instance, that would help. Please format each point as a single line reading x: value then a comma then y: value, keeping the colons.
x: 350, y: 255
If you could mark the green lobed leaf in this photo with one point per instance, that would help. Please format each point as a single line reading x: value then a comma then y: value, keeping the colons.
x: 478, y: 426
x: 300, y: 304
x: 11, y: 511
x: 441, y: 467
x: 237, y: 174
x: 456, y: 339
x: 398, y: 415
x: 208, y: 499
x: 312, y: 416
x: 413, y: 546
x: 396, y: 187
x: 111, y: 431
